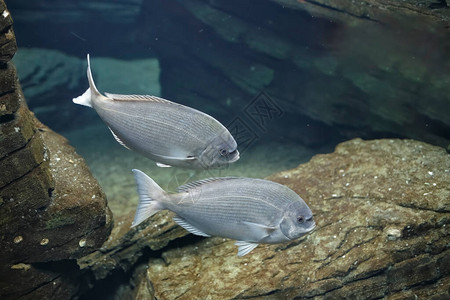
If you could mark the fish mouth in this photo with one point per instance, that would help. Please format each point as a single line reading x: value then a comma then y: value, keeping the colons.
x: 235, y: 156
x: 311, y: 228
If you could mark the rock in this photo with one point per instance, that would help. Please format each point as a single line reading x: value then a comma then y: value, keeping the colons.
x: 17, y: 132
x: 8, y: 45
x: 381, y: 209
x: 126, y: 246
x: 17, y: 164
x: 52, y: 211
x: 374, y: 10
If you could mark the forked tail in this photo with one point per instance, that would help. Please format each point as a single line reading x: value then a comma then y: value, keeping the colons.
x: 151, y: 196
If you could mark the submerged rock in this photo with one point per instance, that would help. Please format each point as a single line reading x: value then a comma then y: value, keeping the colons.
x: 52, y: 211
x: 126, y: 246
x: 382, y: 213
x: 374, y: 10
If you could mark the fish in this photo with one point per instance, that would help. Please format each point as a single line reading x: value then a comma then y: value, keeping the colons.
x: 248, y: 210
x: 168, y: 133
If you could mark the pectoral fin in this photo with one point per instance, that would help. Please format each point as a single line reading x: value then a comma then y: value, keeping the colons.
x: 258, y: 231
x: 162, y: 165
x: 245, y: 247
x: 167, y: 160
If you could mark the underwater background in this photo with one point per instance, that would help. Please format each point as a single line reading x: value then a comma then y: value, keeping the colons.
x: 291, y: 82
x: 289, y: 79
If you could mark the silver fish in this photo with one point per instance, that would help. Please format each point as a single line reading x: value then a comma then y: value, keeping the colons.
x: 248, y: 210
x: 169, y: 133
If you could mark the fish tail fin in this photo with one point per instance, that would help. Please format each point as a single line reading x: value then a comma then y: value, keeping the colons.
x: 91, y: 92
x: 151, y: 196
x: 84, y: 99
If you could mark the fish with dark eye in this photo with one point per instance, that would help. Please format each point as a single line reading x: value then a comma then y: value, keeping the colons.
x: 248, y: 210
x: 171, y: 134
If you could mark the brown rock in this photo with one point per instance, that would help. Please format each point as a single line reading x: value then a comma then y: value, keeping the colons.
x: 8, y: 104
x: 52, y: 211
x: 373, y: 10
x: 382, y: 210
x: 23, y: 161
x: 9, y: 101
x: 126, y: 246
x: 8, y: 44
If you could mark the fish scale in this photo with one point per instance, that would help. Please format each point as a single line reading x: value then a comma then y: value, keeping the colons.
x: 145, y: 123
x: 143, y: 132
x: 232, y: 208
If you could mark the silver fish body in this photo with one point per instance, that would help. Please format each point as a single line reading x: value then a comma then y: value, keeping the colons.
x: 251, y: 211
x: 169, y: 133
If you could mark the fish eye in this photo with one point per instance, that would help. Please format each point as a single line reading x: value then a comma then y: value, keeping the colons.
x: 223, y: 152
x: 300, y: 219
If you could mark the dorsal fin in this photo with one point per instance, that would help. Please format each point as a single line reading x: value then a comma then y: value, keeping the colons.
x: 191, y: 185
x: 149, y: 98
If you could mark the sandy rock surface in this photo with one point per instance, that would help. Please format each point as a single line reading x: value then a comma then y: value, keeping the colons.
x: 382, y: 210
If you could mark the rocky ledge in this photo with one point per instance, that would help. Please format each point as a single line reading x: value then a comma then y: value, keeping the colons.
x: 52, y: 211
x: 382, y: 212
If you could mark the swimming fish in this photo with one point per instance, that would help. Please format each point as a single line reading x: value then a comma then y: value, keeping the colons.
x: 169, y: 133
x: 248, y: 210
